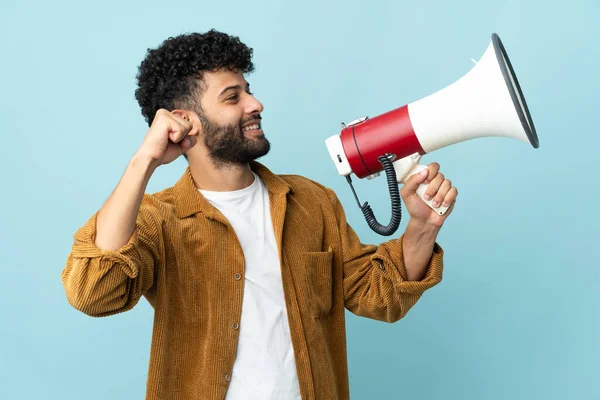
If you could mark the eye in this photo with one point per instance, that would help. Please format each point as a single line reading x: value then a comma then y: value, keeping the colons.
x: 232, y: 97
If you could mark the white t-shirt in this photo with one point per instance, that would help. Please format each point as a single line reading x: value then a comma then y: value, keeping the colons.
x: 264, y: 367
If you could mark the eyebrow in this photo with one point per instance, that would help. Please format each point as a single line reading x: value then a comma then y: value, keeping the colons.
x: 234, y: 87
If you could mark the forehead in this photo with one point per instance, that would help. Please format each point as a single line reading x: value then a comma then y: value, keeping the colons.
x: 215, y: 82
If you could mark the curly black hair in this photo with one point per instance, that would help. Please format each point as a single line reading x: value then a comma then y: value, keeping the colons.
x: 170, y: 76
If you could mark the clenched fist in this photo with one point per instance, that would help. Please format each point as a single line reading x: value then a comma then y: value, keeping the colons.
x: 169, y: 136
x: 440, y: 190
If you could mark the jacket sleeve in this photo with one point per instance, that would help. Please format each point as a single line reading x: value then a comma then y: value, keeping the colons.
x: 374, y: 277
x: 104, y: 282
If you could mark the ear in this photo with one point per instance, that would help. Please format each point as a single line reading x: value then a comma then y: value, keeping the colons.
x: 181, y: 114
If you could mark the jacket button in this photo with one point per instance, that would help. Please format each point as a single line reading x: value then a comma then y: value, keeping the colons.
x: 227, y: 377
x: 236, y: 325
x: 237, y: 277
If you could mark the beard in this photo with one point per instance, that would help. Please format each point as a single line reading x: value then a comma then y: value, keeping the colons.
x: 227, y: 145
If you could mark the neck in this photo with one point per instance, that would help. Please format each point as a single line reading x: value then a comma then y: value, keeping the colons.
x: 219, y: 177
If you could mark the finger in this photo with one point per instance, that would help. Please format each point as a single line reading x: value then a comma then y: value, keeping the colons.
x: 433, y: 168
x: 434, y: 186
x: 449, y: 210
x: 441, y: 193
x: 412, y: 183
x: 160, y: 115
x: 450, y: 197
x: 179, y: 129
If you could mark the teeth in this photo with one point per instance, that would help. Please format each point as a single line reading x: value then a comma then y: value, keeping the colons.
x: 252, y: 127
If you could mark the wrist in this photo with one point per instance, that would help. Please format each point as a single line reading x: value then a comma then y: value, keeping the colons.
x: 144, y: 161
x: 422, y: 229
x: 418, y: 244
x: 143, y: 164
x: 419, y: 234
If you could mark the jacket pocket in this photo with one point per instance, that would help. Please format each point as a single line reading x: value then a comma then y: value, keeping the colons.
x: 315, y: 272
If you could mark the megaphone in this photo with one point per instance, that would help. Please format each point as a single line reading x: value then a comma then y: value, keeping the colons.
x: 487, y: 101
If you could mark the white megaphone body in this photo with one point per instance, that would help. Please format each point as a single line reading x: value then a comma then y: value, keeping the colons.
x: 485, y: 102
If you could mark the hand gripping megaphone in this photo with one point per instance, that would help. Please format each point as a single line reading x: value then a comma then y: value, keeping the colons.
x: 485, y: 102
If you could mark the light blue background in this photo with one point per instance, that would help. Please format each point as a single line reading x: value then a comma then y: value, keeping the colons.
x: 516, y: 316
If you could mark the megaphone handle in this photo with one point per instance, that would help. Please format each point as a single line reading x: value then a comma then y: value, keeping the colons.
x: 441, y: 210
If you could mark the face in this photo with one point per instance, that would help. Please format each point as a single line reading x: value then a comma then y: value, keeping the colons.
x: 231, y: 120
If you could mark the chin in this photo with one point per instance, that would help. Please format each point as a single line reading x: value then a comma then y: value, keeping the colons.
x: 254, y: 135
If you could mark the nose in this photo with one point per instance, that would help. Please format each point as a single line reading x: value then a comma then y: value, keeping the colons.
x: 253, y: 106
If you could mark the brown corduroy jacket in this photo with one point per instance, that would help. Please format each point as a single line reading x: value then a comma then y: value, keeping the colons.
x: 185, y: 259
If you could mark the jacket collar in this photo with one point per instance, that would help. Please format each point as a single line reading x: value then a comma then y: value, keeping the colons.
x: 188, y: 200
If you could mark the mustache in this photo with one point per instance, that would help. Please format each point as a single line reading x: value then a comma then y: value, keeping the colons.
x: 256, y: 118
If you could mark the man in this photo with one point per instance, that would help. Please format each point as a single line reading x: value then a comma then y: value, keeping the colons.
x: 248, y: 272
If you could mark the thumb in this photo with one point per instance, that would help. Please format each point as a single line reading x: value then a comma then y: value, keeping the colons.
x: 187, y: 143
x: 412, y: 183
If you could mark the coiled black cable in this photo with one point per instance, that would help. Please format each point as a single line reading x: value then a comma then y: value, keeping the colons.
x: 384, y: 230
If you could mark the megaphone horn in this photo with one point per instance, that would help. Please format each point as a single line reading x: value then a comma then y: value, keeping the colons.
x: 487, y: 101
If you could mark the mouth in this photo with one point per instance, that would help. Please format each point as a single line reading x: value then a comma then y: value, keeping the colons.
x: 253, y: 127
